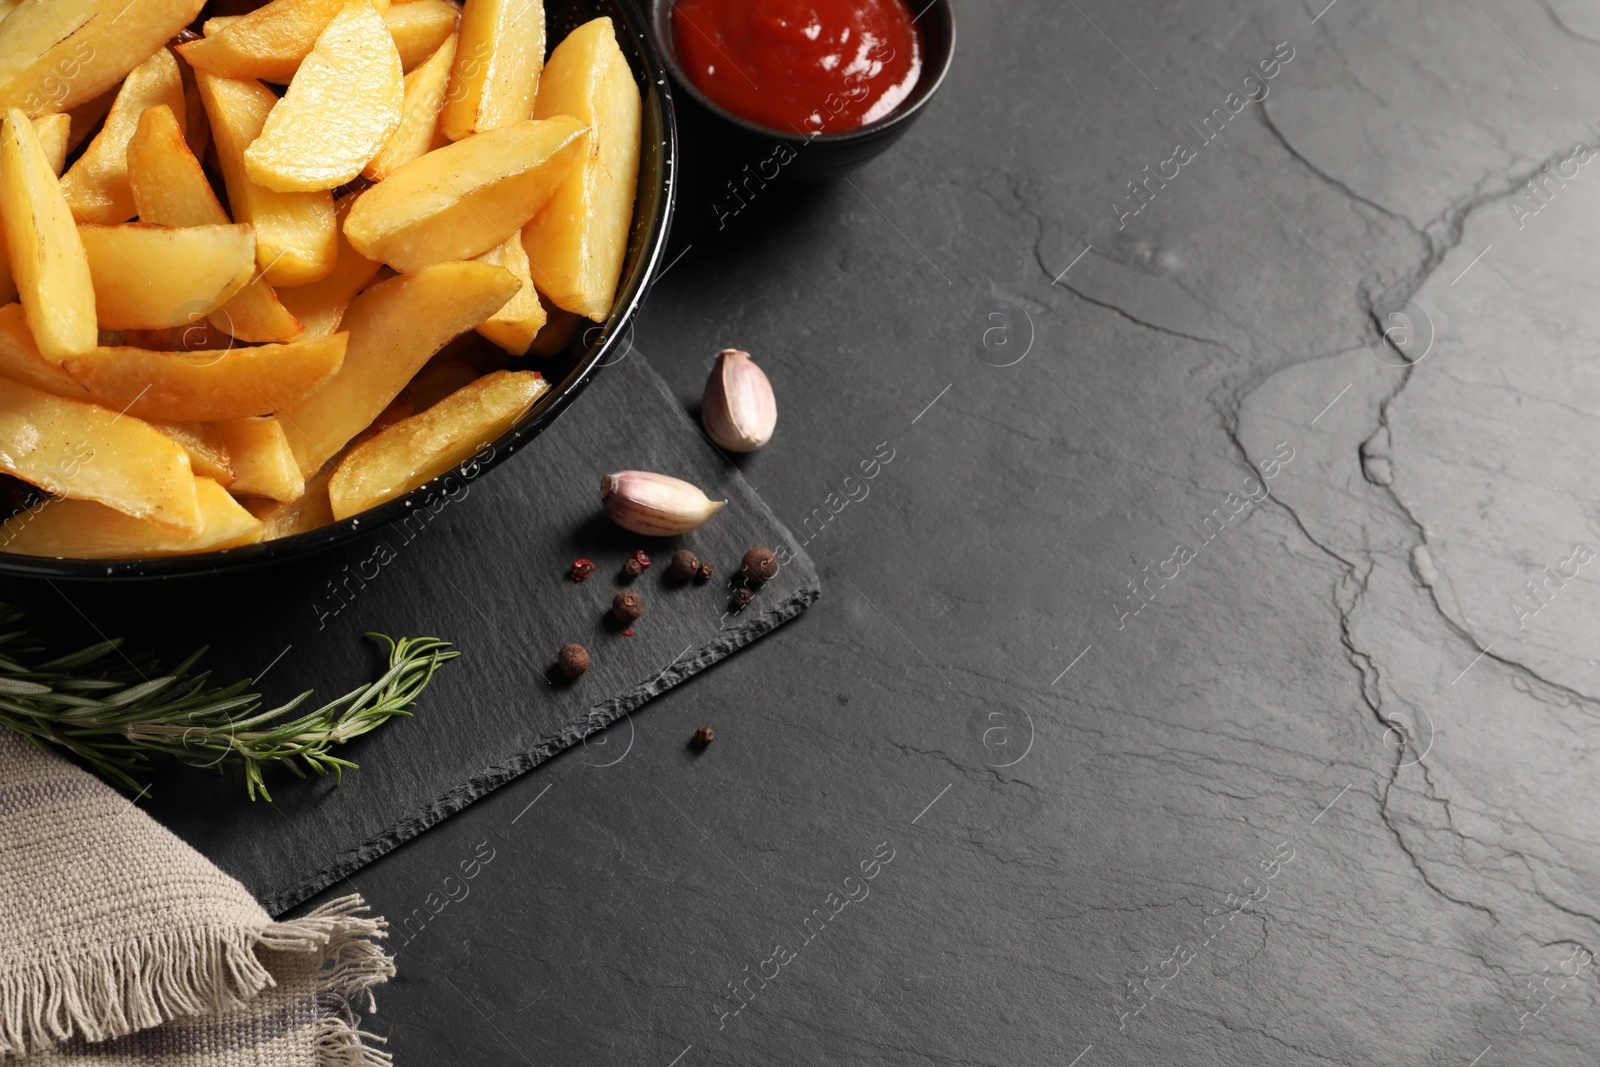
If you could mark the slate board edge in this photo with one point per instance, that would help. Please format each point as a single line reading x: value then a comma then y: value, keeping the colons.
x: 491, y: 778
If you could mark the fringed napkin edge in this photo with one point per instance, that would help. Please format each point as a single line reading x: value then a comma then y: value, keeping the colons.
x: 142, y: 983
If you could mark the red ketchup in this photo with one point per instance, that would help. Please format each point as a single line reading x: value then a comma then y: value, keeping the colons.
x: 801, y: 66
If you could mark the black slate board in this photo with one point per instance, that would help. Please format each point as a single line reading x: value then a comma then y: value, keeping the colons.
x: 488, y: 572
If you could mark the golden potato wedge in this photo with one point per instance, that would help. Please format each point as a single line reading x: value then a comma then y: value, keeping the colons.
x: 151, y: 277
x: 165, y: 179
x: 498, y: 61
x: 51, y: 268
x: 263, y: 463
x: 438, y: 380
x: 55, y: 133
x: 419, y: 449
x: 296, y: 238
x: 207, y: 451
x: 80, y: 529
x: 269, y: 43
x: 97, y: 185
x: 419, y: 113
x: 420, y: 27
x: 7, y: 7
x: 320, y: 305
x: 341, y: 108
x: 576, y: 244
x: 55, y: 54
x: 465, y: 198
x: 208, y: 386
x: 285, y: 519
x: 83, y: 451
x: 170, y: 189
x: 514, y: 326
x: 394, y: 328
x: 20, y: 360
x: 559, y: 328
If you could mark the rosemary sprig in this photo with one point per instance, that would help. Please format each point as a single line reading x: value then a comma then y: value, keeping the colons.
x: 114, y: 713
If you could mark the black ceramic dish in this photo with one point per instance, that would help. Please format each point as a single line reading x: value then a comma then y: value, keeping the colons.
x: 827, y: 155
x: 591, y: 349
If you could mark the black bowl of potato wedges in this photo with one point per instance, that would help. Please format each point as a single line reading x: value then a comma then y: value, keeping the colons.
x: 276, y: 273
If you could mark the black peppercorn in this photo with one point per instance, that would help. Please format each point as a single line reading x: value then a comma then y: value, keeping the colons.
x: 627, y: 606
x: 704, y: 736
x: 573, y: 660
x: 632, y: 569
x: 742, y: 598
x: 759, y: 565
x: 684, y: 564
x: 705, y: 572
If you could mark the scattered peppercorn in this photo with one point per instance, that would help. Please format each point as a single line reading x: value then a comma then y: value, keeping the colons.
x: 684, y: 564
x: 705, y: 572
x: 742, y: 598
x: 581, y: 569
x: 573, y: 660
x: 759, y: 565
x: 642, y: 559
x: 704, y: 736
x: 632, y: 569
x: 627, y: 606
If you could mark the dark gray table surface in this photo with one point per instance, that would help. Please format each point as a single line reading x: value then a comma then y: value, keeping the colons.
x: 1325, y: 798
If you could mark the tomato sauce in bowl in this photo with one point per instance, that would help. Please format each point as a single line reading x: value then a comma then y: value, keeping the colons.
x: 801, y: 66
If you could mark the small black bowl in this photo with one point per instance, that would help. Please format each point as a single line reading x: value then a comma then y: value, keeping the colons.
x: 816, y: 157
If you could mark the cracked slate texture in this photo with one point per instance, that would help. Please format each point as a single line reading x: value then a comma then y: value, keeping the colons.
x: 1300, y: 682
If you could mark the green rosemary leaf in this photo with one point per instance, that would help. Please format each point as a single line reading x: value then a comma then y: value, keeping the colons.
x: 74, y: 660
x: 115, y: 714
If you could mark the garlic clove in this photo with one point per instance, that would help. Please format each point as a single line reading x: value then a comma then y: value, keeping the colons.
x: 739, y: 410
x: 655, y: 505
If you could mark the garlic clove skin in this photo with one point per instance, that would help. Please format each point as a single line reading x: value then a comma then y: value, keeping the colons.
x: 739, y: 410
x: 655, y: 505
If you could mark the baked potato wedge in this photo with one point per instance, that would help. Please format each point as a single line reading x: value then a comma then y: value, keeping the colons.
x: 394, y: 328
x: 207, y: 452
x: 96, y: 187
x: 51, y: 269
x: 55, y: 133
x: 499, y: 56
x: 263, y: 464
x: 461, y: 200
x: 416, y: 450
x: 74, y: 449
x: 577, y: 243
x: 514, y: 326
x: 268, y: 44
x: 320, y: 305
x: 208, y: 386
x: 152, y: 277
x: 341, y: 108
x: 420, y: 27
x: 419, y: 113
x: 171, y: 189
x: 81, y: 529
x: 296, y: 239
x: 57, y: 54
x: 21, y: 361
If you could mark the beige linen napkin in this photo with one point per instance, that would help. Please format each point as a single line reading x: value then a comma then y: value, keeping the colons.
x: 119, y: 944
